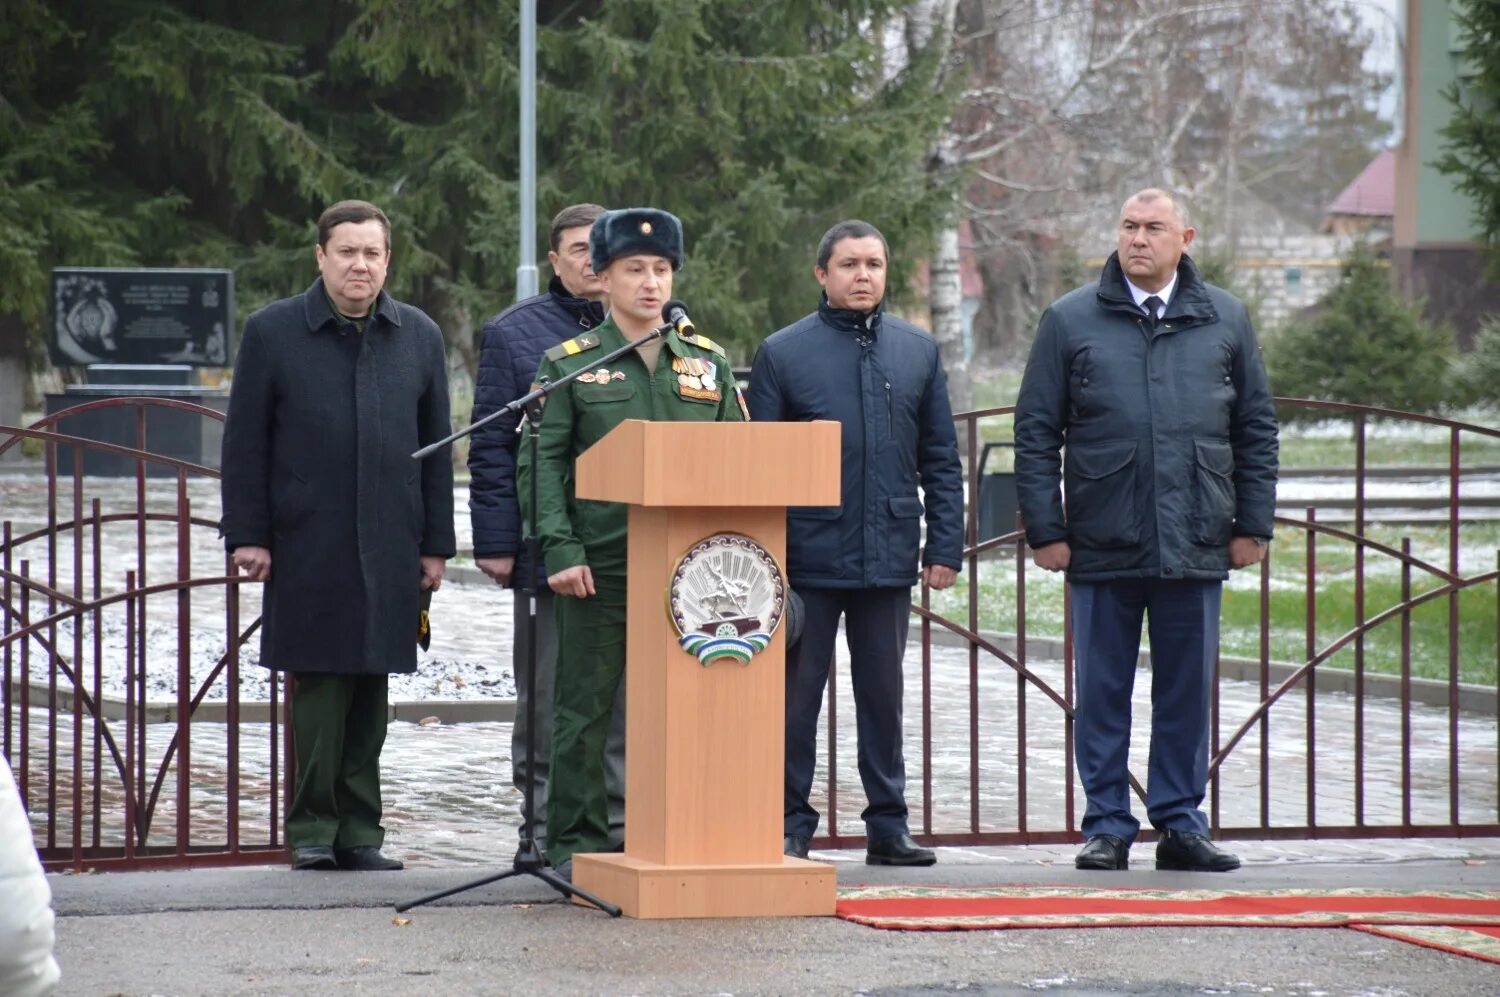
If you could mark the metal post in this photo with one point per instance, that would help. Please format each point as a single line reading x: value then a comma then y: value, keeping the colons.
x: 526, y: 278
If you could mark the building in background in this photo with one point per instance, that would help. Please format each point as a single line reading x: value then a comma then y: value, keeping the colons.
x: 1435, y: 249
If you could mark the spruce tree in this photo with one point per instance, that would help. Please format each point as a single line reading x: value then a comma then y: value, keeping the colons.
x: 1364, y: 344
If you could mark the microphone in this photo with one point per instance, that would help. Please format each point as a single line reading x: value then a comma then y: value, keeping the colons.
x: 674, y: 313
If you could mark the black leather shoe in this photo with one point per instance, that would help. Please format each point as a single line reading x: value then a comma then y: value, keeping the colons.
x: 366, y: 858
x: 314, y: 857
x: 1103, y: 851
x: 1188, y: 851
x: 899, y: 850
x: 794, y: 845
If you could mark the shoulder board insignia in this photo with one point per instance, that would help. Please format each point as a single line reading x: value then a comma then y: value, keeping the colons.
x: 703, y: 342
x: 574, y: 346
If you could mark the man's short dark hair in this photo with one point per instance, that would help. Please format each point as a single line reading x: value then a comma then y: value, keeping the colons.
x: 573, y: 216
x: 351, y: 211
x: 851, y: 229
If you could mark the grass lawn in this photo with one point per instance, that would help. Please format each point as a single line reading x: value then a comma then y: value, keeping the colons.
x: 1334, y: 594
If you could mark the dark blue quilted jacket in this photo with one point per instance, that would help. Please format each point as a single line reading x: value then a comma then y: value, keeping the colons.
x: 514, y: 342
x: 883, y: 380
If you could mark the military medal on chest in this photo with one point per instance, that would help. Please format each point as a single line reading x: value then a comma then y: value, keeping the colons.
x: 696, y: 378
x: 726, y: 598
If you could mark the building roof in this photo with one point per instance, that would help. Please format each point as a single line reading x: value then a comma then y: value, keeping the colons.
x: 1373, y: 192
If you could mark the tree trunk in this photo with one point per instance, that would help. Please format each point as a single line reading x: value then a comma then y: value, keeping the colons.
x: 946, y: 301
x: 12, y: 374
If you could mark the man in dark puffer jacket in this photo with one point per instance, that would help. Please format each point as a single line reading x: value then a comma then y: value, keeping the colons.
x: 514, y: 342
x: 1153, y: 380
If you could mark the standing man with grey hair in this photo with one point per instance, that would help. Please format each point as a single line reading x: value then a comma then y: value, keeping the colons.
x: 333, y: 390
x: 1153, y: 382
x: 514, y: 342
x: 883, y: 380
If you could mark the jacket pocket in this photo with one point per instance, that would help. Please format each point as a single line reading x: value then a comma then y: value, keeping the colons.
x: 594, y: 394
x: 1213, y: 500
x: 292, y: 504
x: 1100, y: 495
x: 904, y: 539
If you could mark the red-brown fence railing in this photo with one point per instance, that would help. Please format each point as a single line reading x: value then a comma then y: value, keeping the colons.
x: 1300, y: 748
x: 122, y: 637
x: 122, y: 755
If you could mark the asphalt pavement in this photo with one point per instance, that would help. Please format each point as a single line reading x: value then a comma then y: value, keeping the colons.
x: 272, y: 931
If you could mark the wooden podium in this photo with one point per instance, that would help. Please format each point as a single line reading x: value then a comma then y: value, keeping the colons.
x: 704, y: 743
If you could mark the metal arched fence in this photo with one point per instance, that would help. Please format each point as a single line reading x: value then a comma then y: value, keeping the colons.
x: 130, y: 743
x: 1356, y: 689
x: 1347, y: 703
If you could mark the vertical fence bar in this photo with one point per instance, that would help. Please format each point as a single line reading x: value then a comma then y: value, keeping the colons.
x: 1023, y: 763
x: 78, y: 686
x: 25, y: 720
x: 1311, y: 649
x: 926, y: 712
x: 184, y: 669
x: 1359, y: 618
x: 1265, y: 688
x: 290, y: 766
x: 11, y: 626
x: 1069, y: 796
x: 52, y: 468
x: 971, y: 527
x: 134, y: 786
x: 1406, y: 683
x: 833, y: 745
x: 97, y: 571
x: 232, y: 701
x: 1453, y: 674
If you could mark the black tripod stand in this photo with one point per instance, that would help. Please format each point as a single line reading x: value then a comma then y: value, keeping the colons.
x: 529, y: 860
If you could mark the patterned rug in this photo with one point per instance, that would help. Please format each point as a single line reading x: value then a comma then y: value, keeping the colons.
x: 1466, y: 922
x: 1477, y: 941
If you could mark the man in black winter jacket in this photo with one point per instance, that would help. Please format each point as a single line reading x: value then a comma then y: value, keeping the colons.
x: 1153, y: 381
x: 883, y: 380
x: 514, y: 342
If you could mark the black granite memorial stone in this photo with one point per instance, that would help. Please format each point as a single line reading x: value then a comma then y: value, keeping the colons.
x: 109, y: 316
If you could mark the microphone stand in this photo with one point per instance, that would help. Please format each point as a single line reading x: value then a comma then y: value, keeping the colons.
x: 529, y: 860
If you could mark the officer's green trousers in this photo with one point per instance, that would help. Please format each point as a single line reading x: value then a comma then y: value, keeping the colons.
x: 590, y: 667
x: 338, y: 726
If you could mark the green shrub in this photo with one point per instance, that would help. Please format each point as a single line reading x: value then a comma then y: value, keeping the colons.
x: 1476, y: 374
x: 1364, y: 344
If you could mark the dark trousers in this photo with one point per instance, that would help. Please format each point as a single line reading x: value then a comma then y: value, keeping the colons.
x: 546, y: 678
x: 590, y: 671
x: 875, y: 622
x: 1184, y: 626
x: 338, y: 727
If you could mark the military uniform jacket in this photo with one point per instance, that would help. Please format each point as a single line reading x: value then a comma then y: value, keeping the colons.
x: 692, y: 383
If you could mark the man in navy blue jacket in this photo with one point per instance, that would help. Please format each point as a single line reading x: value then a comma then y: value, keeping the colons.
x: 514, y: 342
x: 1146, y: 463
x: 883, y: 380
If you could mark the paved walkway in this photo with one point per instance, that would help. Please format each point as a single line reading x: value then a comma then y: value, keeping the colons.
x: 271, y: 931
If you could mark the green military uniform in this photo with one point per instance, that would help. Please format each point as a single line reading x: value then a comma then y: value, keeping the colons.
x: 692, y: 382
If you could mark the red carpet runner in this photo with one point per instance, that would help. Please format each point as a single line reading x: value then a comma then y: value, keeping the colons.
x: 1467, y: 922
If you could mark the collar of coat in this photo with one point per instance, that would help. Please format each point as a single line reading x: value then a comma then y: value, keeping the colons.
x: 850, y: 320
x: 609, y: 337
x: 319, y: 312
x: 587, y: 313
x: 1190, y: 304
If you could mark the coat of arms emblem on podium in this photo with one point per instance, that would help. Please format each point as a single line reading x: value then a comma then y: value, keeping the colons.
x: 727, y: 598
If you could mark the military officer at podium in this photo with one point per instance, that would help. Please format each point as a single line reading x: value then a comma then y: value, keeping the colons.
x: 679, y: 377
